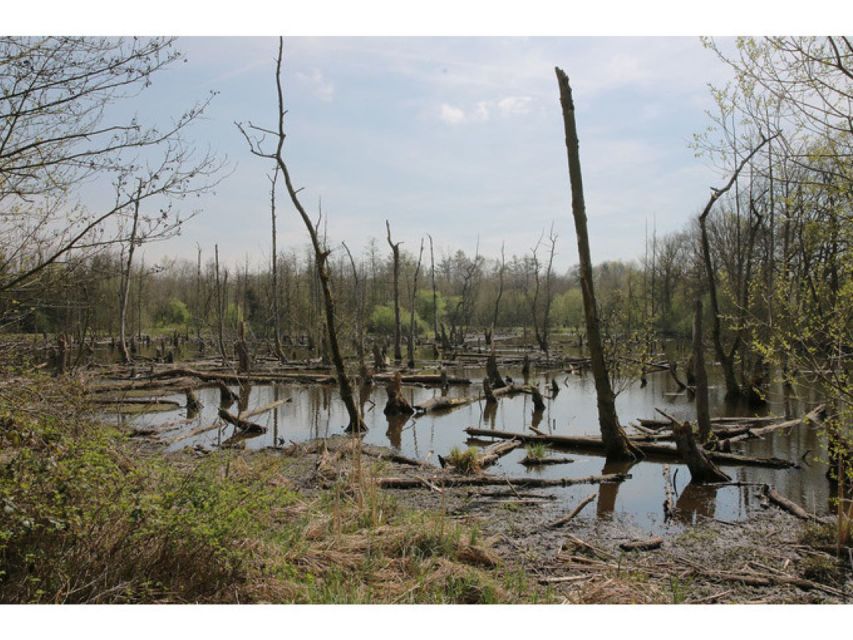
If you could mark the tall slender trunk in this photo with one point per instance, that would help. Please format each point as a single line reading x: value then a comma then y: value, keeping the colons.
x: 220, y: 305
x: 321, y: 253
x: 616, y: 442
x: 276, y: 318
x: 125, y: 279
x: 703, y: 415
x: 395, y: 251
x: 411, y: 345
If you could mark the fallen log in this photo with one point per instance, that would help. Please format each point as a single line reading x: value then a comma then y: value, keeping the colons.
x: 231, y: 378
x: 136, y: 401
x: 495, y: 452
x: 568, y: 518
x: 482, y: 481
x: 787, y: 505
x: 425, y: 378
x: 591, y: 444
x: 443, y: 403
x: 243, y: 425
x: 642, y: 545
x: 527, y: 461
x: 811, y: 417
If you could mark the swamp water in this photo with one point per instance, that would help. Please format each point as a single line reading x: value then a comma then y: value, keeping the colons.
x: 316, y: 411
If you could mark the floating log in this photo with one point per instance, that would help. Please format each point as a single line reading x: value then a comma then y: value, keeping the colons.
x: 243, y: 425
x: 425, y: 378
x: 440, y: 403
x: 136, y: 401
x: 482, y: 481
x: 495, y: 452
x: 568, y: 518
x: 527, y: 461
x: 642, y: 545
x: 591, y: 444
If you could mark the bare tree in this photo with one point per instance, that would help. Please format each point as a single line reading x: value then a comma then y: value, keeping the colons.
x: 276, y: 318
x: 124, y: 290
x: 411, y: 344
x: 321, y: 253
x: 616, y: 442
x: 395, y: 256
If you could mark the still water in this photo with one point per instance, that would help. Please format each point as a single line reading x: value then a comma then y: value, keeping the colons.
x: 316, y: 411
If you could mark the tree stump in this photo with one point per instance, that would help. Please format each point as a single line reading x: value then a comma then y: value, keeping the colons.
x: 397, y: 405
x: 702, y: 469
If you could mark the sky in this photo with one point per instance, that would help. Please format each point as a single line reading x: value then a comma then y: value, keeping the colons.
x: 461, y: 138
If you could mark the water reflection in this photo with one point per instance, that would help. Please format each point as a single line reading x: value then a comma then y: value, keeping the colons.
x: 316, y: 411
x: 696, y: 500
x: 607, y: 491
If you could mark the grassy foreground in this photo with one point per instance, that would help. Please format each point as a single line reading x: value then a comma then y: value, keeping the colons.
x: 89, y: 516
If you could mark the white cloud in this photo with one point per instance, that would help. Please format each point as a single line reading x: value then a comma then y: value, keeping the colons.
x: 318, y: 84
x: 514, y: 105
x: 451, y: 114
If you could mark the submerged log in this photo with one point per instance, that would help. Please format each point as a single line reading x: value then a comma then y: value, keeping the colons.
x: 482, y: 481
x: 568, y: 518
x: 593, y: 445
x: 431, y: 379
x: 642, y: 545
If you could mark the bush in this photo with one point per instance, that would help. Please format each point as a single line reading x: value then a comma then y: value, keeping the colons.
x: 85, y: 520
x: 174, y: 311
x: 381, y: 321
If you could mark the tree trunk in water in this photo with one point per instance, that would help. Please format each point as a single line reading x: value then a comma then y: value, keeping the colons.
x: 616, y: 442
x: 492, y: 372
x: 397, y: 405
x: 703, y: 414
x: 701, y: 468
x: 125, y: 285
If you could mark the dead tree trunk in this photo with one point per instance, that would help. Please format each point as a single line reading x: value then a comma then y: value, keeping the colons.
x: 360, y: 295
x: 702, y: 469
x: 125, y: 279
x: 703, y: 414
x: 492, y: 372
x: 241, y: 349
x: 616, y: 442
x: 397, y: 404
x: 411, y: 343
x: 491, y: 333
x: 395, y: 252
x: 321, y: 254
x: 220, y: 305
x: 434, y: 297
x: 276, y: 318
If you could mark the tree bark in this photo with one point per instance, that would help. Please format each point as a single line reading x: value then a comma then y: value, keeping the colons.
x: 703, y: 414
x: 616, y: 442
x: 395, y: 252
x: 125, y: 285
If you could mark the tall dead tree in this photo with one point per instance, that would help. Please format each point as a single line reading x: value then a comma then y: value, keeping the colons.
x: 125, y: 277
x: 411, y: 344
x: 616, y: 442
x: 276, y: 319
x: 395, y: 254
x: 360, y: 296
x: 703, y: 414
x: 491, y: 332
x: 321, y: 254
x: 434, y: 294
x: 220, y: 285
x: 733, y: 390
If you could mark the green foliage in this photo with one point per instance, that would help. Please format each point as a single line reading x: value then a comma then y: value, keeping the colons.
x: 381, y: 321
x: 464, y: 461
x: 83, y: 521
x: 424, y: 305
x: 172, y: 312
x: 567, y: 309
x: 536, y: 451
